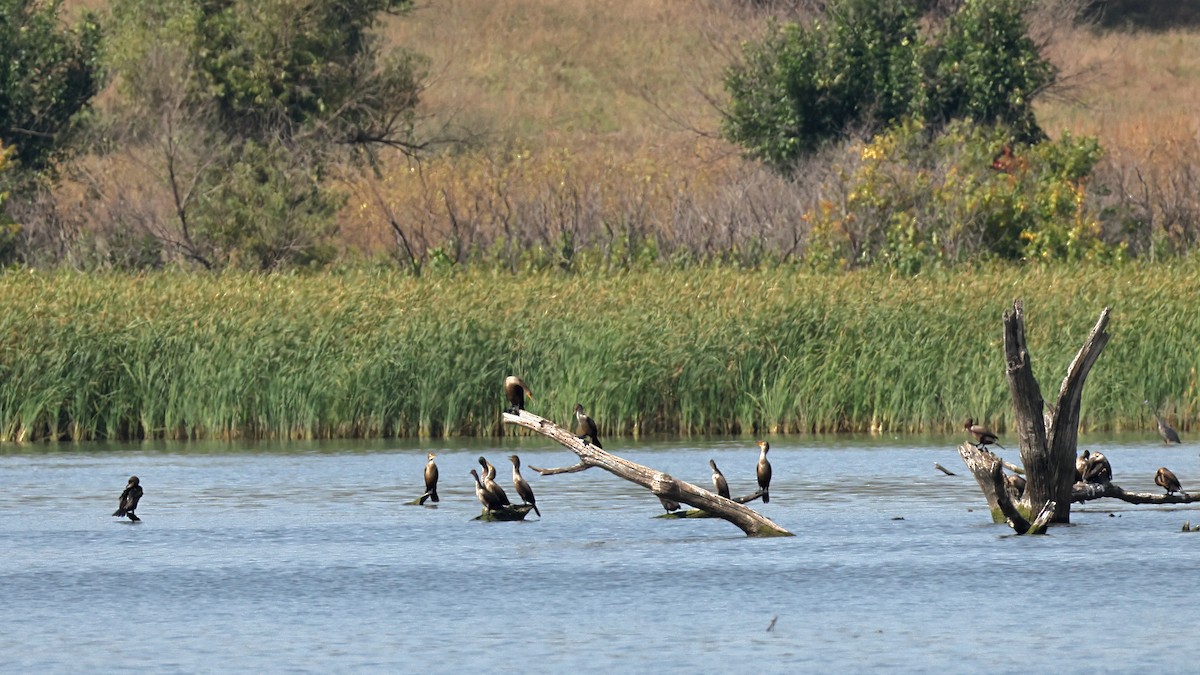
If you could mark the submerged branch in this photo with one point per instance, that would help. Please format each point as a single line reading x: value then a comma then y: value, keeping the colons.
x: 564, y: 469
x: 1086, y: 492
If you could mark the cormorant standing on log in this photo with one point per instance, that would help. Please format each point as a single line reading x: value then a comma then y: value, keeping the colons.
x: 489, y: 471
x: 718, y: 479
x: 129, y: 500
x: 586, y: 427
x: 489, y: 501
x: 523, y: 490
x: 490, y: 484
x: 983, y: 436
x: 1165, y: 479
x: 764, y: 470
x: 516, y: 390
x: 1081, y: 463
x: 431, y: 478
x: 1098, y: 469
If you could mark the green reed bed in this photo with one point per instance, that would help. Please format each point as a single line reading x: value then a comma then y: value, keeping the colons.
x: 713, y: 350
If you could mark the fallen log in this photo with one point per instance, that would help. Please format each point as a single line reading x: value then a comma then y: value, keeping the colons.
x: 1085, y: 492
x: 506, y: 513
x: 701, y: 513
x: 662, y: 485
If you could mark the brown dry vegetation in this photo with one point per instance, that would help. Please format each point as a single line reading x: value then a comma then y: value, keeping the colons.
x: 593, y: 122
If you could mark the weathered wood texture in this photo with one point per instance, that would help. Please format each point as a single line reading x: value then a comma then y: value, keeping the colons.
x: 989, y: 473
x: 661, y: 484
x: 1048, y: 438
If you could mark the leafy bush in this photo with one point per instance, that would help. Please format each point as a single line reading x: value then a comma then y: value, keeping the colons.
x: 912, y: 203
x: 866, y: 67
x: 47, y: 75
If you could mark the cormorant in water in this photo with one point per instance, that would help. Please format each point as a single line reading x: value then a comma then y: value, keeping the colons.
x: 1165, y: 479
x: 586, y: 427
x: 516, y: 390
x: 129, y: 500
x: 489, y: 501
x: 983, y: 437
x: 1164, y: 430
x: 523, y: 490
x: 1098, y: 469
x: 718, y: 479
x: 764, y: 470
x: 431, y: 477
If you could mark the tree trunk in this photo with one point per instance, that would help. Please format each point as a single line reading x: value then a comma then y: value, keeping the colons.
x: 1048, y: 439
x: 659, y: 483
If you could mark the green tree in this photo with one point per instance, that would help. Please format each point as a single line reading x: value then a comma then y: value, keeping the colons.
x: 985, y: 67
x: 249, y: 103
x: 865, y: 66
x: 48, y: 74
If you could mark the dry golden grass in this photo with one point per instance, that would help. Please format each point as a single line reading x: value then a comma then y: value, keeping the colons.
x: 618, y: 95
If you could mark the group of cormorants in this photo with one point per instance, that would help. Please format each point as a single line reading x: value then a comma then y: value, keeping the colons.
x: 1090, y: 467
x: 763, y: 474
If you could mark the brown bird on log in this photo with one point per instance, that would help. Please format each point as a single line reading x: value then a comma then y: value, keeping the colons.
x: 718, y: 479
x: 431, y: 478
x: 523, y: 490
x: 669, y: 504
x: 586, y: 427
x: 1016, y: 484
x: 1098, y: 469
x: 1165, y: 479
x: 490, y: 484
x: 516, y: 390
x: 983, y: 436
x: 489, y: 501
x: 1081, y: 463
x: 1164, y: 430
x: 129, y: 500
x: 489, y: 471
x: 764, y: 470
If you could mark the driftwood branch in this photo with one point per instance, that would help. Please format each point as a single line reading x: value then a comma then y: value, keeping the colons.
x: 661, y: 484
x: 564, y: 469
x: 1086, y: 492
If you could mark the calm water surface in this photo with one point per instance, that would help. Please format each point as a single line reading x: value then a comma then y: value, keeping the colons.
x: 304, y: 557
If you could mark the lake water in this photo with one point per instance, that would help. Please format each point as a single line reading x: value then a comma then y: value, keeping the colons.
x: 303, y: 557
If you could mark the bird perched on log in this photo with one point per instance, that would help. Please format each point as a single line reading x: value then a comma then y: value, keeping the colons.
x: 669, y: 504
x: 586, y: 427
x: 983, y: 436
x: 1164, y: 430
x: 523, y: 490
x: 1015, y: 484
x: 489, y: 471
x: 431, y: 478
x: 490, y: 484
x: 489, y: 501
x: 1098, y: 469
x: 1165, y: 479
x: 515, y: 390
x: 764, y: 470
x: 129, y: 500
x: 1081, y: 463
x: 718, y: 479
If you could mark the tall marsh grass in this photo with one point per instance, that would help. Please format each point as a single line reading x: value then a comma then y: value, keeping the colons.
x: 704, y: 350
